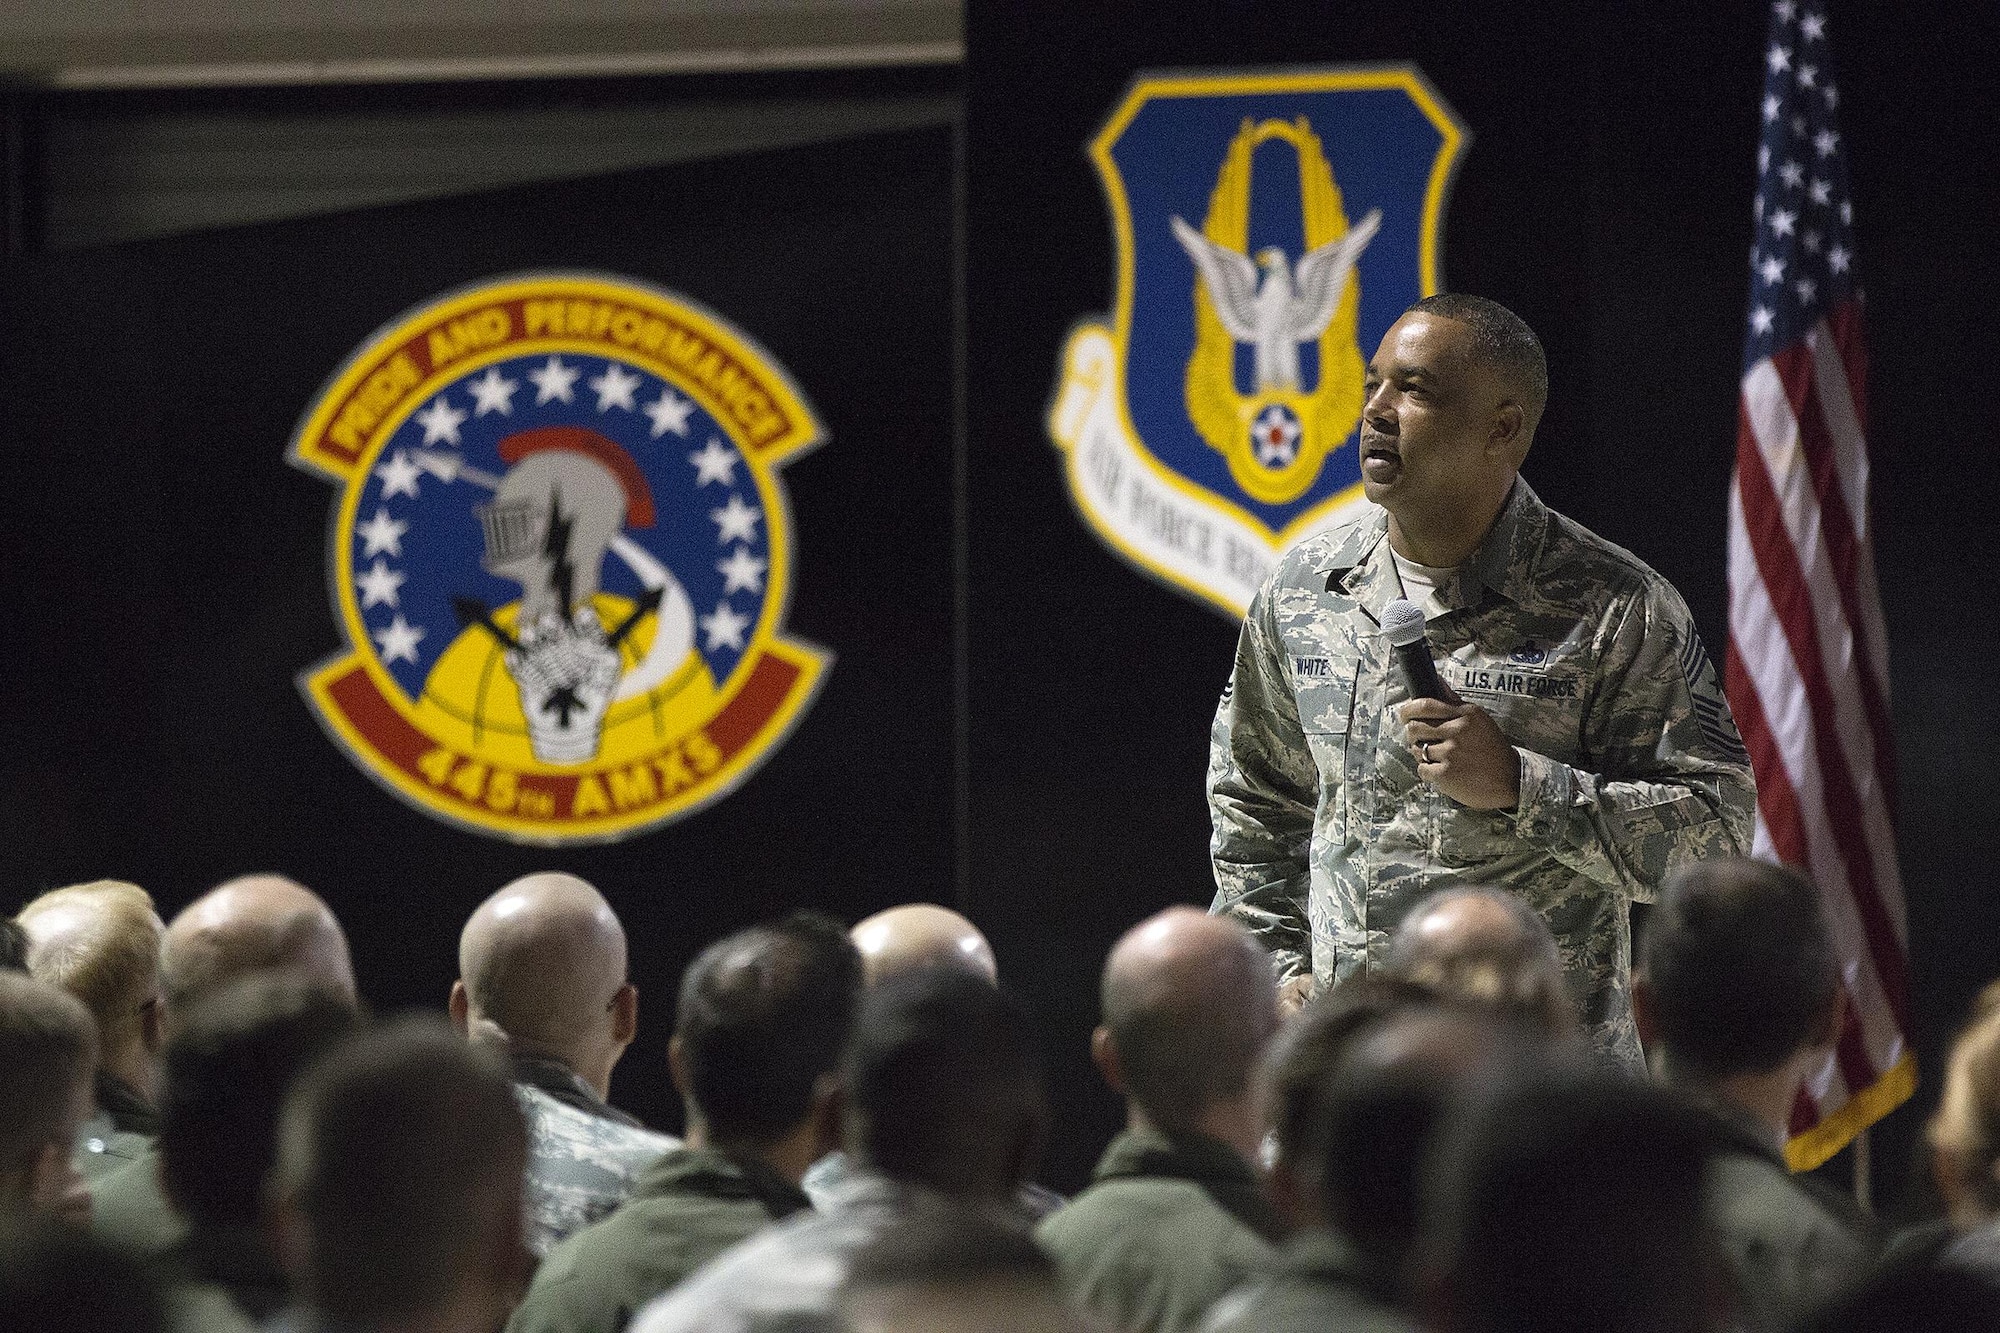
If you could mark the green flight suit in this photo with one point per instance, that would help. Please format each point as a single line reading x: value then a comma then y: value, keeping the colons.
x: 123, y: 1129
x: 1317, y: 1285
x: 1169, y: 1223
x: 688, y: 1207
x: 1631, y: 768
x: 129, y: 1211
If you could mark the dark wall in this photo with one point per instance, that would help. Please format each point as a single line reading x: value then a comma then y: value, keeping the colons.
x: 1606, y: 198
x: 165, y: 569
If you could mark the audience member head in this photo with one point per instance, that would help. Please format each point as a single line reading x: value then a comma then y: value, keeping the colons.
x: 101, y: 943
x: 919, y: 935
x: 61, y: 1278
x: 1909, y: 1299
x: 763, y: 1022
x: 1737, y: 979
x: 252, y: 924
x: 1569, y: 1202
x: 1488, y: 948
x: 48, y: 1050
x: 1188, y: 1010
x: 234, y: 1055
x: 952, y: 1268
x: 13, y: 946
x: 1964, y: 1132
x: 399, y: 1181
x: 944, y: 1085
x: 541, y: 972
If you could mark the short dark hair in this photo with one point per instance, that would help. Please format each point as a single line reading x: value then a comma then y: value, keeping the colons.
x: 1740, y: 966
x: 1310, y: 1049
x: 54, y: 1277
x: 234, y: 1055
x: 763, y: 1016
x: 1570, y: 1202
x: 404, y: 1149
x: 943, y: 1077
x: 48, y: 1045
x: 1500, y: 339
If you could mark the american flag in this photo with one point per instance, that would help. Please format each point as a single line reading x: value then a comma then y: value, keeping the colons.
x: 1808, y: 676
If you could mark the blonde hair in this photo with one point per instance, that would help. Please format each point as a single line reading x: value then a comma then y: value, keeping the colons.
x: 1965, y: 1131
x: 101, y: 943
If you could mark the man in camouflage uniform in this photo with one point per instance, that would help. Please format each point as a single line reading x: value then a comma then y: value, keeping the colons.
x: 1587, y: 754
x: 542, y: 976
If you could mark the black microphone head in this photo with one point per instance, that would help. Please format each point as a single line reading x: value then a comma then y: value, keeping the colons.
x: 1403, y: 622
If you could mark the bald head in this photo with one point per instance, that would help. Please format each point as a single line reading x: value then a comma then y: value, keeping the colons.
x: 541, y: 968
x: 1188, y: 1010
x: 920, y: 935
x: 1488, y: 948
x: 254, y: 924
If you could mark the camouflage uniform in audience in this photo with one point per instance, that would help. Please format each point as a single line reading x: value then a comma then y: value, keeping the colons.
x: 122, y: 1131
x: 1588, y: 660
x: 585, y: 1156
x: 828, y: 1180
x: 689, y: 1206
x: 1316, y: 1284
x: 1169, y: 1224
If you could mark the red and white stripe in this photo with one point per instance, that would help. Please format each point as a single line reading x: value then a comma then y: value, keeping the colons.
x: 1808, y: 681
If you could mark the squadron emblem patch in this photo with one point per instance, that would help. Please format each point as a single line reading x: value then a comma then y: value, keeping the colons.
x: 560, y: 557
x: 1270, y: 227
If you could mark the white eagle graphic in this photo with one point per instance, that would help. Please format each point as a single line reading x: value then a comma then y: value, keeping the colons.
x: 1289, y: 307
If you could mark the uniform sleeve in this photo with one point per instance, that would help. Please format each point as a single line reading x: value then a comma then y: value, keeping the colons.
x: 1262, y: 789
x: 1673, y: 784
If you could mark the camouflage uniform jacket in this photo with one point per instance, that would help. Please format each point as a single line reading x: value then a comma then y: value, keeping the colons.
x: 1631, y: 767
x: 1169, y: 1223
x: 581, y: 1163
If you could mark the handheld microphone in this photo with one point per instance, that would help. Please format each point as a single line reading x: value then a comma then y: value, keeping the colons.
x: 1403, y: 623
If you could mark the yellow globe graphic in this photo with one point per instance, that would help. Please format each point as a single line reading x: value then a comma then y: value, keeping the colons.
x: 470, y: 701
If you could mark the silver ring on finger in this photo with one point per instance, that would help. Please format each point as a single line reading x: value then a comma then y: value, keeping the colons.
x: 1424, y: 751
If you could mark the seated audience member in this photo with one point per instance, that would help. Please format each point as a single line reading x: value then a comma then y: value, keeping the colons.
x: 13, y: 946
x: 57, y: 1279
x: 251, y: 924
x: 1738, y: 995
x: 764, y: 1018
x: 1912, y: 1300
x: 944, y: 1098
x: 397, y: 1191
x: 101, y: 943
x: 952, y: 1269
x: 541, y: 968
x: 1175, y: 1215
x: 1368, y: 1074
x: 908, y: 939
x: 1964, y: 1135
x: 1488, y: 948
x: 48, y: 1051
x: 1570, y: 1203
x: 234, y: 1055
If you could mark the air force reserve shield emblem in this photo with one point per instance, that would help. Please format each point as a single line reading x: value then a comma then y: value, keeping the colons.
x: 1270, y: 228
x: 560, y: 556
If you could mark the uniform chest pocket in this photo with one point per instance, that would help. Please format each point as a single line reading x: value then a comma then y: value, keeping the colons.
x: 1324, y: 689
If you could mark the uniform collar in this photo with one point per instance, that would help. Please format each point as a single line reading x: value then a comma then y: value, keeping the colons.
x: 1360, y: 563
x: 711, y: 1174
x: 1219, y: 1169
x: 564, y: 1084
x: 126, y: 1108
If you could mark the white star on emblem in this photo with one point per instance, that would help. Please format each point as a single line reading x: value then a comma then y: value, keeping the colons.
x: 399, y: 640
x: 1781, y: 222
x: 382, y: 533
x: 714, y: 462
x: 737, y: 521
x: 1763, y: 158
x: 1784, y: 9
x: 615, y: 388
x: 669, y: 413
x: 742, y: 571
x: 1771, y: 108
x: 1806, y: 287
x: 1826, y: 141
x: 1813, y: 26
x: 378, y: 584
x: 1846, y: 212
x: 1808, y: 76
x: 1779, y: 58
x: 725, y: 628
x: 1772, y: 268
x: 1760, y: 320
x: 1836, y: 259
x: 1794, y: 174
x: 399, y: 476
x: 440, y: 422
x: 492, y: 392
x: 555, y: 380
x: 1821, y: 192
